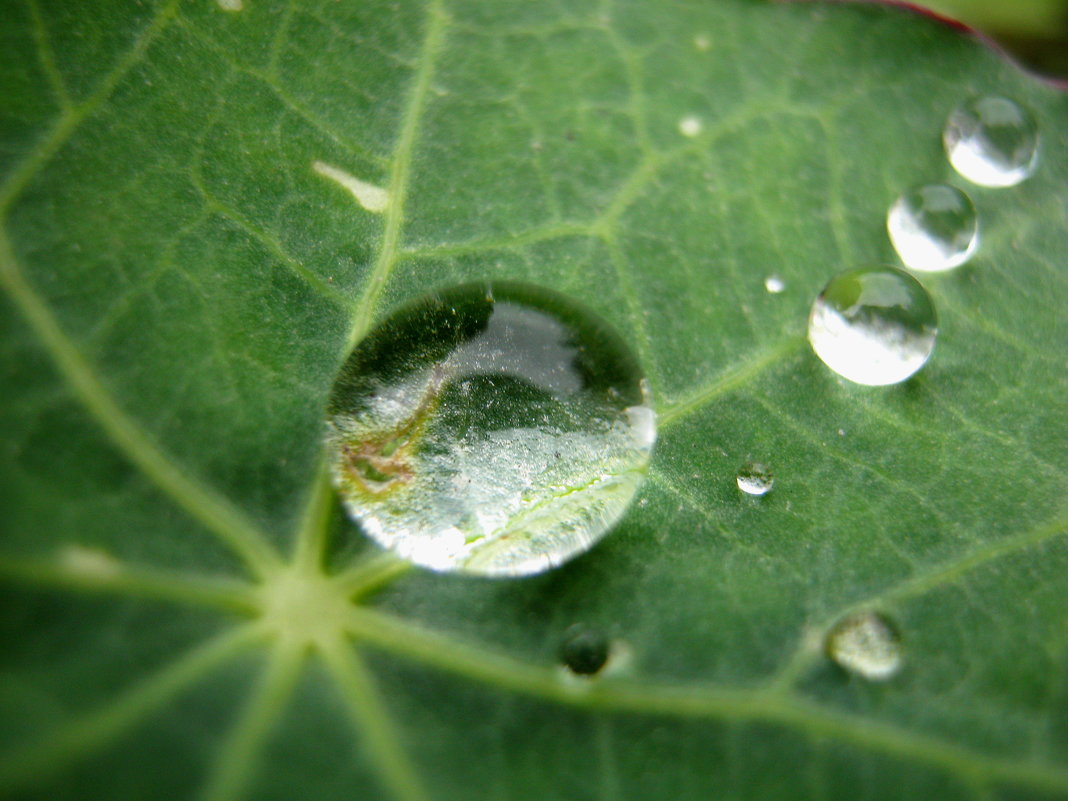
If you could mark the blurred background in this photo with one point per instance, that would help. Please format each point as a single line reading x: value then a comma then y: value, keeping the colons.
x: 1034, y: 31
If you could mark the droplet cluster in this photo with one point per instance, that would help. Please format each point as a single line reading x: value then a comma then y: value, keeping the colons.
x: 500, y: 429
x: 877, y: 325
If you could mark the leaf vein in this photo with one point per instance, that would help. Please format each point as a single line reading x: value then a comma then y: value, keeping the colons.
x: 399, y: 175
x: 721, y: 703
x: 216, y: 512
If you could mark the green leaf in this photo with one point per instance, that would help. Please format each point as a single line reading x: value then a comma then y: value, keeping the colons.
x: 205, y: 206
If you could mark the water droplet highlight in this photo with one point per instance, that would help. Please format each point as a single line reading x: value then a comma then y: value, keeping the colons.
x: 992, y: 141
x: 933, y: 228
x: 873, y: 325
x: 774, y: 284
x: 755, y: 478
x: 866, y: 644
x: 496, y: 429
x: 584, y: 651
x: 690, y: 126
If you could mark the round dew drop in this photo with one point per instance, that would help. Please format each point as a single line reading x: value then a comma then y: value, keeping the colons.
x: 873, y: 325
x: 933, y: 228
x: 774, y: 284
x: 992, y: 141
x: 584, y: 651
x: 755, y: 478
x: 867, y: 645
x: 498, y: 429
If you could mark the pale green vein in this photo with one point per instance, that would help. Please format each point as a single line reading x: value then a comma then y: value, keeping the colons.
x: 836, y: 212
x: 278, y: 40
x: 369, y: 574
x: 730, y: 704
x: 236, y: 761
x: 398, y: 178
x: 606, y: 759
x: 283, y: 96
x: 943, y: 575
x: 627, y: 193
x: 632, y: 70
x: 213, y: 510
x: 96, y: 730
x: 47, y: 57
x: 134, y: 581
x: 650, y: 166
x: 315, y: 523
x: 505, y: 243
x: 372, y: 721
x: 678, y: 410
x: 737, y: 539
x: 294, y: 265
x: 967, y: 422
x: 837, y: 455
x: 67, y: 123
x: 634, y: 307
x: 989, y: 552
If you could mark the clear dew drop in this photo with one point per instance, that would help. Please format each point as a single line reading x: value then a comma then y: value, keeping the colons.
x: 584, y: 651
x: 933, y: 228
x: 774, y: 284
x: 496, y: 429
x: 873, y: 325
x: 992, y: 141
x: 754, y: 478
x: 866, y: 644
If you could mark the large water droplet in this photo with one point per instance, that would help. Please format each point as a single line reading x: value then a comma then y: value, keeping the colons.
x: 497, y: 429
x: 933, y: 228
x: 584, y: 651
x: 992, y: 141
x: 755, y: 478
x: 873, y: 325
x: 866, y: 644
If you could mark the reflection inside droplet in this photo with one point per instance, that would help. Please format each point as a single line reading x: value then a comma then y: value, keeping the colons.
x: 873, y: 325
x: 493, y: 429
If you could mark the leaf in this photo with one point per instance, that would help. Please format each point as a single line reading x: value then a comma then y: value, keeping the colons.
x: 206, y: 204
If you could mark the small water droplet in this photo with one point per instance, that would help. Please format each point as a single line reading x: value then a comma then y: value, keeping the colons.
x: 774, y: 284
x: 755, y: 478
x: 933, y: 228
x: 690, y: 126
x: 992, y: 141
x: 866, y: 644
x: 498, y: 430
x: 873, y: 325
x: 584, y: 651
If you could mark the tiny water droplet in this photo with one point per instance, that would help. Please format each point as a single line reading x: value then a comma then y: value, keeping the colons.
x: 774, y: 284
x: 933, y: 228
x: 494, y: 429
x: 873, y: 325
x: 866, y: 644
x: 690, y: 126
x: 992, y: 141
x: 755, y: 478
x: 584, y: 651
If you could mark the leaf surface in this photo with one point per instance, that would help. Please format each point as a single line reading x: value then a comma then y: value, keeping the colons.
x: 206, y: 204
